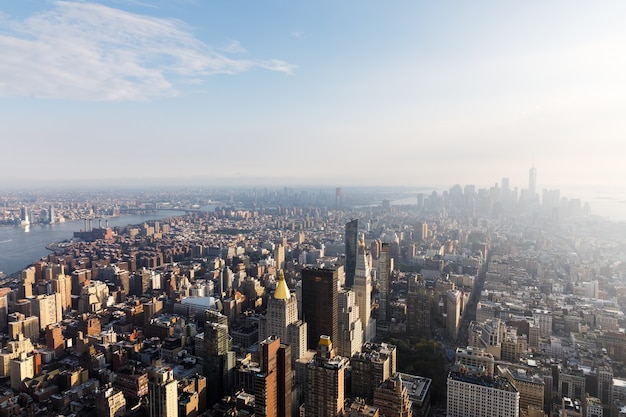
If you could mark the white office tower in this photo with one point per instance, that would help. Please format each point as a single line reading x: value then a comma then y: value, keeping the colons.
x: 474, y: 393
x: 363, y: 290
x: 350, y: 326
x: 453, y: 310
x: 281, y: 319
x: 163, y: 392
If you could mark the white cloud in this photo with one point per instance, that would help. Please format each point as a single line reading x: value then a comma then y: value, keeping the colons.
x: 88, y: 51
x: 233, y: 47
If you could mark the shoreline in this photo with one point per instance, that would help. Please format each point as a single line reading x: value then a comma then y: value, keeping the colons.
x: 53, y: 246
x: 139, y: 212
x: 65, y: 241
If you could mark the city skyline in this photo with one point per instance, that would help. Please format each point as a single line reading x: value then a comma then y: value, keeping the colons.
x: 312, y: 94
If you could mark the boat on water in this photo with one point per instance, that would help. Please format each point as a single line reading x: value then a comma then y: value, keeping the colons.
x: 6, y: 241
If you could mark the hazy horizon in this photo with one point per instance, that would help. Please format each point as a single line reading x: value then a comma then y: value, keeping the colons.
x: 340, y: 94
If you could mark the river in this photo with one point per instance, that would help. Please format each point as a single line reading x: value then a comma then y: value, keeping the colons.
x: 20, y: 246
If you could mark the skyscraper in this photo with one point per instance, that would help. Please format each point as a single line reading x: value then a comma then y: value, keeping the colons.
x: 453, y: 308
x: 272, y: 386
x: 24, y: 216
x: 281, y: 319
x: 532, y: 182
x: 21, y: 367
x: 372, y: 366
x: 163, y: 391
x: 48, y: 308
x: 219, y: 359
x: 363, y: 290
x: 417, y: 309
x: 279, y: 254
x: 350, y: 327
x: 471, y: 393
x: 384, y: 275
x: 392, y: 398
x: 51, y: 215
x: 338, y: 197
x: 324, y: 396
x: 110, y: 402
x: 320, y: 303
x: 352, y: 241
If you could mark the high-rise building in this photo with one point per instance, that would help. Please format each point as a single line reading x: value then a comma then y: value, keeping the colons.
x: 272, y: 385
x: 24, y: 326
x: 605, y: 383
x: 324, y: 395
x: 48, y: 308
x: 226, y: 280
x: 453, y: 308
x: 62, y: 284
x: 392, y: 398
x: 338, y: 197
x: 4, y: 309
x: 13, y: 350
x: 532, y: 182
x: 27, y: 279
x: 488, y: 335
x: 543, y: 320
x: 363, y: 291
x: 475, y: 357
x: 216, y: 333
x: 419, y: 389
x: 55, y: 340
x: 279, y: 254
x: 93, y: 297
x: 351, y: 241
x: 132, y: 383
x: 79, y: 277
x: 531, y: 387
x: 471, y: 393
x: 192, y: 396
x: 22, y: 367
x: 384, y: 275
x: 350, y: 327
x: 371, y: 367
x: 320, y: 303
x: 572, y: 382
x: 110, y: 402
x: 163, y: 392
x: 281, y: 319
x: 422, y: 230
x: 51, y: 215
x: 219, y: 360
x: 418, y: 301
x: 25, y: 216
x: 506, y: 187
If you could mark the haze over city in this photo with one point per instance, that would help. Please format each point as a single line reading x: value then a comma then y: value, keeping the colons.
x: 318, y: 93
x: 320, y: 209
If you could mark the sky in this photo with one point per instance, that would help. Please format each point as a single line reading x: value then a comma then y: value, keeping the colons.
x: 336, y: 93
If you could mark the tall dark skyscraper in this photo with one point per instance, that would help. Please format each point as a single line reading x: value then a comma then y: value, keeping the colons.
x: 417, y: 309
x: 320, y: 298
x: 219, y: 360
x: 352, y: 243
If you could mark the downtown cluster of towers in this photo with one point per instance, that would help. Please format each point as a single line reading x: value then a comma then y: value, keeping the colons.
x: 335, y: 322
